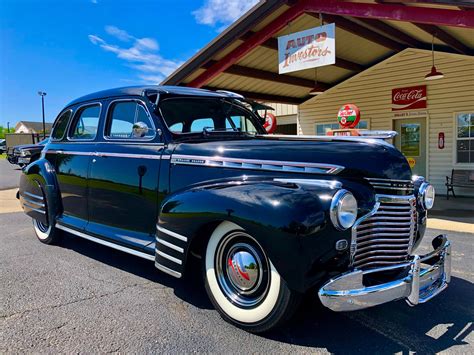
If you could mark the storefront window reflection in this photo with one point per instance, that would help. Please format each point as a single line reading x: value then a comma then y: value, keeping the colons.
x: 465, y: 138
x: 410, y: 138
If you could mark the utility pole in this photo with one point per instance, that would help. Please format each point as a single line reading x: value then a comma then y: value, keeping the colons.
x: 43, y: 94
x: 8, y: 127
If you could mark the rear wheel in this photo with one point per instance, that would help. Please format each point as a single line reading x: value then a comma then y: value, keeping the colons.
x: 47, y: 234
x: 243, y: 284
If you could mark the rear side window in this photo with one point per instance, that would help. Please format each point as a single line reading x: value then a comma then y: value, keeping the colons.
x: 86, y: 123
x: 61, y: 125
x: 122, y: 118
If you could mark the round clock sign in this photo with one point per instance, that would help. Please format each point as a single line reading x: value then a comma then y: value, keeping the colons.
x: 348, y: 116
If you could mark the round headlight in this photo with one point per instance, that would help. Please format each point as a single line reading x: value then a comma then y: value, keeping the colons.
x: 427, y: 194
x: 343, y: 211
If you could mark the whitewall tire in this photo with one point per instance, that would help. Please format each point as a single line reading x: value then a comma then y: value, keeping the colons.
x: 242, y: 282
x: 47, y: 234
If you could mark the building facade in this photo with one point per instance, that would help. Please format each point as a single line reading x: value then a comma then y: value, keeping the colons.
x: 437, y: 138
x: 32, y: 127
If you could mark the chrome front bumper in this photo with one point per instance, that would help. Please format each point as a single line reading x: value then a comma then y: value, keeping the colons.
x: 347, y: 292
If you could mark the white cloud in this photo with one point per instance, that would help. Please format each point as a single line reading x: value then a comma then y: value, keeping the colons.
x: 140, y: 54
x: 118, y: 33
x: 222, y: 12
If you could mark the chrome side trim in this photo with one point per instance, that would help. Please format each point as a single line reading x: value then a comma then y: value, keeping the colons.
x: 33, y: 202
x: 169, y: 257
x: 167, y: 270
x: 38, y: 197
x: 255, y: 164
x: 169, y: 245
x: 107, y: 154
x: 33, y: 208
x: 106, y: 243
x: 171, y: 233
x: 332, y: 184
x: 126, y: 155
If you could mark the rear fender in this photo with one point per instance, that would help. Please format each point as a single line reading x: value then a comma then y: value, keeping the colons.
x: 287, y: 220
x: 39, y: 193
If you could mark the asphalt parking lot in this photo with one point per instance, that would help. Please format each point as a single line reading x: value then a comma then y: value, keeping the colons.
x: 83, y: 297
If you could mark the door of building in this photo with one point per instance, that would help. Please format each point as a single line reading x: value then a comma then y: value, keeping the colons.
x: 411, y: 141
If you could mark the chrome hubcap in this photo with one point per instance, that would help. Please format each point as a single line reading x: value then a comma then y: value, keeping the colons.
x: 242, y: 269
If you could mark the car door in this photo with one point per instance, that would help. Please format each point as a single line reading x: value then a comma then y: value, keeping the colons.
x: 123, y: 177
x: 72, y: 163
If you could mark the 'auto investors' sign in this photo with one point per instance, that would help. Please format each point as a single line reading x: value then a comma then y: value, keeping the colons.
x: 307, y: 49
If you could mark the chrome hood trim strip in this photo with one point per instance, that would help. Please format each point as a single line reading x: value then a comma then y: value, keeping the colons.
x: 255, y: 164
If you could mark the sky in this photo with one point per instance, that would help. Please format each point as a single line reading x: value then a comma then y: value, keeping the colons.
x: 75, y: 47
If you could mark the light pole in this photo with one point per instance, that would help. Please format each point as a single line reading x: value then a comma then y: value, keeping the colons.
x: 43, y: 94
x: 8, y: 127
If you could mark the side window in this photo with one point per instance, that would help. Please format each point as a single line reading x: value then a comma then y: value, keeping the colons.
x: 123, y: 116
x: 177, y: 127
x: 201, y: 123
x: 86, y: 123
x: 61, y: 124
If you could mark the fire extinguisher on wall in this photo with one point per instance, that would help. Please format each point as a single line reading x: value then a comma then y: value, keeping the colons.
x: 441, y: 140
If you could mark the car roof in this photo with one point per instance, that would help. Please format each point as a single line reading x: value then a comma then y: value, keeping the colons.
x: 141, y: 90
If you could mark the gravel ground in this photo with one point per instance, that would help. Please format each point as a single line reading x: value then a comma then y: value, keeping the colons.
x: 83, y: 297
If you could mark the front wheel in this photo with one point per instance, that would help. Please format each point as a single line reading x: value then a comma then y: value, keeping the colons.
x: 47, y: 234
x: 243, y: 284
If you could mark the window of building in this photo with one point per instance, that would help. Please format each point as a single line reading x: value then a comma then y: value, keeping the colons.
x: 323, y: 128
x: 61, y: 125
x: 465, y: 138
x: 86, y: 123
x: 124, y: 114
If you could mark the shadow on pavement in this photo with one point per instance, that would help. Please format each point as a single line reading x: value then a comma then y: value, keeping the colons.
x: 428, y: 328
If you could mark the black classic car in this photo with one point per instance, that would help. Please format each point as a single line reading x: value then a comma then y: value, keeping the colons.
x: 174, y: 173
x: 24, y: 154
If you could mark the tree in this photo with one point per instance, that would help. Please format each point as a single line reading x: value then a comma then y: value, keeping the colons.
x: 3, y: 131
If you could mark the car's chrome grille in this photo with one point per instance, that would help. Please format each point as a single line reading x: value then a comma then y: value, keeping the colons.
x: 388, y: 186
x: 385, y: 235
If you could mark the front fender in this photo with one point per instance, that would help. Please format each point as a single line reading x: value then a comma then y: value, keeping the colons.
x: 289, y: 220
x: 39, y: 192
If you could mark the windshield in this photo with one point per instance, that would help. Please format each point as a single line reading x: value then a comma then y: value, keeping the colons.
x: 197, y: 115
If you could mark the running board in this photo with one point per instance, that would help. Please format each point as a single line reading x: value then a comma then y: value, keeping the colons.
x: 106, y: 243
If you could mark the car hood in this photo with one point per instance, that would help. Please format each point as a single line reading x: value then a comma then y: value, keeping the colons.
x: 29, y: 146
x: 372, y: 158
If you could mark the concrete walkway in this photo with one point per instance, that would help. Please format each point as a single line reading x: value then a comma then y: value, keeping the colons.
x: 9, y: 175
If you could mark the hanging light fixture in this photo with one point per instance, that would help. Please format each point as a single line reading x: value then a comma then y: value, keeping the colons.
x: 317, y: 90
x: 434, y: 74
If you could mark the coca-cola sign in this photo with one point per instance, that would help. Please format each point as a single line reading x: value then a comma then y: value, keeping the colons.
x: 411, y: 98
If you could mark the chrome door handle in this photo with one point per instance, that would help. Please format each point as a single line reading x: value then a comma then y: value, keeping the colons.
x: 94, y: 160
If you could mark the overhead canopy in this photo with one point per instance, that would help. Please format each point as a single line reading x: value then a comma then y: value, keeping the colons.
x: 244, y: 58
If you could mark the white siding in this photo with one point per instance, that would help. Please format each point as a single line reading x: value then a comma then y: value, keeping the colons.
x: 371, y: 90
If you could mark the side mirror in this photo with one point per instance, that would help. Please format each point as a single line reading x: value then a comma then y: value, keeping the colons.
x: 139, y: 130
